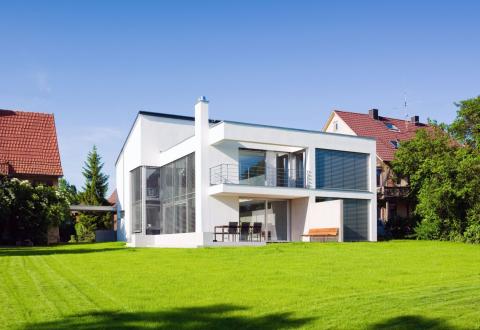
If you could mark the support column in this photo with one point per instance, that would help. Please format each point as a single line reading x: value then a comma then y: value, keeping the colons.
x: 201, y: 166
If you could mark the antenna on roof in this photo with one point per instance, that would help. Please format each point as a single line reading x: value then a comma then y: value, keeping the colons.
x: 405, y: 109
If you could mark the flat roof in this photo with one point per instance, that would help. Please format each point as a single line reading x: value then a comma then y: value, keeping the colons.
x: 216, y: 121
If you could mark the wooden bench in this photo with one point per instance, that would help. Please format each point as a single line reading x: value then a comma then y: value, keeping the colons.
x: 323, y: 233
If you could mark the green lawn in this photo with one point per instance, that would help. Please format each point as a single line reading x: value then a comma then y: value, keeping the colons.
x: 398, y: 284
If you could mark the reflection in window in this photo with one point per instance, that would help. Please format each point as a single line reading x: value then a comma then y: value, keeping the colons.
x: 251, y: 167
x: 136, y: 189
x: 152, y: 202
x: 169, y: 195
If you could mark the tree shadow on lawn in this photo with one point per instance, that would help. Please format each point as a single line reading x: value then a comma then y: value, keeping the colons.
x: 191, y: 318
x: 43, y: 251
x: 407, y: 322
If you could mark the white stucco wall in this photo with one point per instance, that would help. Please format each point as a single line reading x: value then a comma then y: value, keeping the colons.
x: 328, y: 214
x: 129, y: 159
x: 156, y: 141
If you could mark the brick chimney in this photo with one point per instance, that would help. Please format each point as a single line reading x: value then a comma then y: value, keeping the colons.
x: 373, y: 113
x: 415, y: 120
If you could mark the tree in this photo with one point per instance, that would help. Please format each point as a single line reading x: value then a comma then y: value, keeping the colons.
x: 96, y: 182
x: 94, y: 193
x: 68, y: 191
x: 442, y: 163
x: 466, y: 127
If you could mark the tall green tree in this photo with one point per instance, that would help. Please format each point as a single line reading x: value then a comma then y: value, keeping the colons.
x: 443, y: 165
x: 68, y: 191
x: 96, y: 182
x: 466, y: 127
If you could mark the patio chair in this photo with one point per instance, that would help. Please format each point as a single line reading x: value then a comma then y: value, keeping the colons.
x: 257, y: 230
x: 233, y: 230
x: 244, y: 231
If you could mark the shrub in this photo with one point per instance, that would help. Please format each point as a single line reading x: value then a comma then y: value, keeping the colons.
x: 472, y: 233
x: 85, y: 228
x: 27, y: 211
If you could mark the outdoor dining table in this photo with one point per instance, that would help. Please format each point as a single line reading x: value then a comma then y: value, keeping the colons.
x: 223, y: 232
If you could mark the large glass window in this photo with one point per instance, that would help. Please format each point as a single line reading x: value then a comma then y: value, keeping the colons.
x: 136, y: 189
x: 177, y: 196
x: 152, y: 201
x: 355, y: 220
x: 169, y: 195
x: 341, y: 170
x: 251, y: 167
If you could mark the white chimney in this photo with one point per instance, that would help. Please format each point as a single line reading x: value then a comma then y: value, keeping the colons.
x: 202, y: 176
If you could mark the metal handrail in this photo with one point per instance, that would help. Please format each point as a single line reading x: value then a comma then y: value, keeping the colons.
x: 259, y: 176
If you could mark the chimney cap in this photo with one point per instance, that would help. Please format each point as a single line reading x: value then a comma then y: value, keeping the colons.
x: 202, y: 99
x: 373, y: 113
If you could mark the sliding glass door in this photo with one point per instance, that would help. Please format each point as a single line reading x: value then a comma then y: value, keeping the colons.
x: 272, y: 214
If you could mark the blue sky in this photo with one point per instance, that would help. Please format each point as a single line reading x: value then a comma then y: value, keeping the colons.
x: 94, y: 64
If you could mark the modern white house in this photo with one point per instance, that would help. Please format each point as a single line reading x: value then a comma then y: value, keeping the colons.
x: 182, y: 179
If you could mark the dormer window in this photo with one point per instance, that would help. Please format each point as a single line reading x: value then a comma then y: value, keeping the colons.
x: 395, y: 143
x: 335, y: 126
x: 391, y: 127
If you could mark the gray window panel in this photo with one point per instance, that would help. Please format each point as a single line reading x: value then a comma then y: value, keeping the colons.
x: 355, y: 220
x: 191, y: 174
x: 180, y: 184
x: 136, y: 191
x: 168, y: 219
x: 191, y: 215
x: 170, y: 199
x: 181, y: 218
x: 153, y: 223
x: 341, y: 170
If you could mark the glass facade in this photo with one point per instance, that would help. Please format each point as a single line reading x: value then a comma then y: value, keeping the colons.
x: 136, y: 189
x: 251, y: 165
x: 341, y: 170
x: 355, y: 220
x: 169, y: 197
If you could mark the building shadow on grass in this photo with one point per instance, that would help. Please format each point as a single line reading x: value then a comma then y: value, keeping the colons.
x: 42, y: 251
x: 191, y: 318
x: 412, y: 322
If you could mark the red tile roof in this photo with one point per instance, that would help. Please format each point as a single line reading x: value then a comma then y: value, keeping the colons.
x: 363, y: 125
x: 112, y: 200
x: 28, y: 144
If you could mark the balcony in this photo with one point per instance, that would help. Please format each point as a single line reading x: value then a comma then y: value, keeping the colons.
x: 259, y: 176
x: 392, y: 192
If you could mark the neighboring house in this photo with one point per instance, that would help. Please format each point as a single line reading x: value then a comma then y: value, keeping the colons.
x: 29, y: 151
x: 29, y: 148
x: 392, y: 191
x: 180, y: 177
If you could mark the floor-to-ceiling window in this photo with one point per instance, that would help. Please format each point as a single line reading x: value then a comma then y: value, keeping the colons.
x: 272, y: 214
x: 136, y: 193
x: 169, y: 195
x: 152, y: 202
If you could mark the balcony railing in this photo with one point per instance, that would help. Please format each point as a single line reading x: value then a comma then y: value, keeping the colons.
x: 259, y: 176
x: 389, y: 192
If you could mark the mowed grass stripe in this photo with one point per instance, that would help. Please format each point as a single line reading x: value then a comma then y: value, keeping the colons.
x: 69, y: 297
x: 93, y: 294
x: 13, y: 309
x: 342, y: 286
